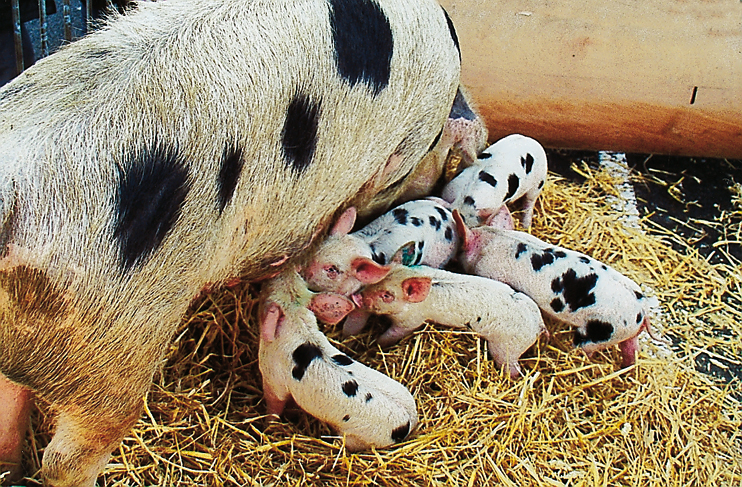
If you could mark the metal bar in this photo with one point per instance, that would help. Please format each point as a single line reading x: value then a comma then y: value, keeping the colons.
x: 17, y: 38
x: 43, y: 29
x: 88, y: 16
x: 67, y: 20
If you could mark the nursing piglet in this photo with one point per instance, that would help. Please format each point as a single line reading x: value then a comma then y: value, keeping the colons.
x: 606, y: 307
x: 509, y: 320
x: 347, y: 261
x: 297, y: 361
x: 513, y: 168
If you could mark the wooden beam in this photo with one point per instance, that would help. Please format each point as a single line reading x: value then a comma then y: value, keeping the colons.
x: 658, y: 76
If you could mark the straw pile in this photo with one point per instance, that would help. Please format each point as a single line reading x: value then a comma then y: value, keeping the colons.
x: 571, y: 421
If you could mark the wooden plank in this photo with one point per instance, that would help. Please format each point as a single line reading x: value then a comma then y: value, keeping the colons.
x: 658, y: 76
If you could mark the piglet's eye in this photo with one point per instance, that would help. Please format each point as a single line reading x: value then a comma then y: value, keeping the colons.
x: 387, y: 297
x: 332, y: 271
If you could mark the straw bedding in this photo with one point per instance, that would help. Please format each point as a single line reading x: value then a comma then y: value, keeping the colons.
x: 570, y: 421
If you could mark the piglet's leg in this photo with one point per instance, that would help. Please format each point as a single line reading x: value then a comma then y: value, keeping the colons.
x: 274, y: 403
x: 506, y: 358
x: 394, y: 334
x: 529, y: 203
x: 15, y: 404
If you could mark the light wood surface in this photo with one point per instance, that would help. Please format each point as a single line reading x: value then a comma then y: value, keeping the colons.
x: 656, y: 76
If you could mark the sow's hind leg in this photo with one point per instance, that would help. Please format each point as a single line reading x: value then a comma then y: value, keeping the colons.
x: 95, y: 391
x: 15, y: 403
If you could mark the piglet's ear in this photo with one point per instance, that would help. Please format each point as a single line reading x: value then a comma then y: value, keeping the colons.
x: 330, y: 308
x: 345, y: 223
x: 405, y: 255
x: 270, y: 322
x: 367, y: 271
x: 416, y: 289
x: 463, y: 232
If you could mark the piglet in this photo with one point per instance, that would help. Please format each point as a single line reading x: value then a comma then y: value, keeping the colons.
x: 606, y: 307
x: 509, y: 320
x: 347, y: 261
x: 513, y: 168
x: 297, y: 361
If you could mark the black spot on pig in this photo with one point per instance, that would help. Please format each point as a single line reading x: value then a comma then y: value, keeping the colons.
x: 299, y: 134
x: 513, y: 183
x: 442, y: 213
x: 346, y: 418
x: 596, y: 331
x: 369, y: 396
x: 363, y: 42
x: 435, y: 223
x: 577, y: 290
x: 638, y: 295
x: 416, y: 221
x: 379, y: 258
x: 350, y: 388
x: 32, y: 293
x: 342, y: 359
x: 584, y: 260
x: 604, y: 267
x: 420, y: 246
x: 229, y: 173
x: 484, y: 155
x: 541, y: 184
x: 150, y: 195
x: 557, y: 285
x: 400, y: 215
x: 400, y: 433
x: 454, y: 37
x: 448, y: 234
x: 435, y: 140
x: 639, y: 318
x: 520, y: 249
x: 487, y: 178
x: 540, y: 260
x: 303, y: 356
x: 557, y: 305
x: 461, y: 109
x: 527, y: 163
x: 559, y: 254
x: 469, y: 201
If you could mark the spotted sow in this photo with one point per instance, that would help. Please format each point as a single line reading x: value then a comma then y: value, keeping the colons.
x: 169, y: 159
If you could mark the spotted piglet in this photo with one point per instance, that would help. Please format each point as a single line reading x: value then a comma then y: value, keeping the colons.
x: 297, y: 361
x: 511, y: 169
x: 509, y: 320
x: 347, y: 261
x: 606, y: 307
